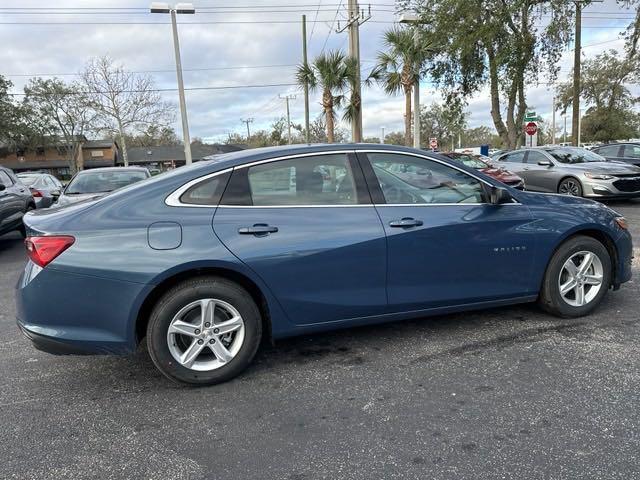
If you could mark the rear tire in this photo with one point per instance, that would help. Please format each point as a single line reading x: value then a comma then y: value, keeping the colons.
x: 200, y: 307
x: 566, y: 294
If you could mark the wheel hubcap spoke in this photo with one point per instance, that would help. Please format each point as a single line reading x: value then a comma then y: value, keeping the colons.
x: 190, y: 354
x: 220, y: 351
x: 229, y: 326
x: 184, y: 328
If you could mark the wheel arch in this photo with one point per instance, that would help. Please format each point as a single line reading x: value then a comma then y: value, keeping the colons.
x: 597, y: 234
x: 152, y: 297
x: 567, y: 176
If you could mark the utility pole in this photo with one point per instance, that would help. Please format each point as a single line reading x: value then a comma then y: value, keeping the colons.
x: 576, y: 73
x: 287, y: 98
x: 553, y: 120
x: 306, y: 85
x: 575, y: 119
x: 247, y: 121
x: 356, y: 18
x: 382, y: 136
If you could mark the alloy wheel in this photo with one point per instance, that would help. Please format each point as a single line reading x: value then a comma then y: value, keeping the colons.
x: 580, y: 278
x: 205, y: 334
x: 570, y: 187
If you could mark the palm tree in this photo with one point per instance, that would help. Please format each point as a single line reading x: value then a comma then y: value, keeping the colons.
x: 331, y: 73
x: 398, y: 68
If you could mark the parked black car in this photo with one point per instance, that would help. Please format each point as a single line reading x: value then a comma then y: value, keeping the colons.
x: 628, y: 152
x: 15, y: 201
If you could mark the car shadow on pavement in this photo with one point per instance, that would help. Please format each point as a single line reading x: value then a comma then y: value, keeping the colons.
x: 424, y: 339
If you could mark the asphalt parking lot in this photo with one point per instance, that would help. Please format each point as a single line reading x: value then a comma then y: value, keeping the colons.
x: 502, y: 393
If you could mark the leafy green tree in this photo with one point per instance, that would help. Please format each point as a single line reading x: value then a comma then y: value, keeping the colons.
x: 610, y: 114
x: 18, y: 127
x: 394, y: 138
x: 63, y: 112
x: 444, y: 122
x: 398, y: 68
x: 498, y: 43
x: 330, y: 72
x: 153, y: 136
x: 474, y: 137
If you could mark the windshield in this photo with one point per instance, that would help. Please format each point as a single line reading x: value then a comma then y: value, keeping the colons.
x: 101, y: 182
x: 470, y: 161
x: 575, y: 155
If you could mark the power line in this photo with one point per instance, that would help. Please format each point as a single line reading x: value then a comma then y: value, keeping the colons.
x: 240, y: 67
x: 225, y: 87
x: 331, y: 27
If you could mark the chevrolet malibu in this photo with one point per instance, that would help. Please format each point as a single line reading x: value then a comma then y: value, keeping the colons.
x: 205, y: 262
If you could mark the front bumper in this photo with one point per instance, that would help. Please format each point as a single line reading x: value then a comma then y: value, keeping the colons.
x: 613, y: 188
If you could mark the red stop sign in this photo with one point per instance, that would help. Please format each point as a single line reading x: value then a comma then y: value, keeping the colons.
x: 531, y: 128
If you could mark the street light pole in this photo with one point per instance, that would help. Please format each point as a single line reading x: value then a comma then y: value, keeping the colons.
x: 158, y: 7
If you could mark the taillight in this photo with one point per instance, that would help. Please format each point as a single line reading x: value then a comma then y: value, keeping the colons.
x: 43, y: 250
x: 36, y: 193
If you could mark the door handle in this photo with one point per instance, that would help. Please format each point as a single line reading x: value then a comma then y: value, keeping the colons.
x: 258, y: 229
x: 406, y: 222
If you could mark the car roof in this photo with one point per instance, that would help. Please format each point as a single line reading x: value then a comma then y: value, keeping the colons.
x: 113, y: 169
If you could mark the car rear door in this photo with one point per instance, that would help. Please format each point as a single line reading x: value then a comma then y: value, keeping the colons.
x: 542, y: 178
x: 446, y: 245
x: 12, y: 203
x: 306, y: 225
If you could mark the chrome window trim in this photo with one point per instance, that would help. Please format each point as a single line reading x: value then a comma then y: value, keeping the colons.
x: 173, y: 200
x: 298, y: 155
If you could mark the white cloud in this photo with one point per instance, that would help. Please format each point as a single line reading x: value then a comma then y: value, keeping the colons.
x: 214, y: 113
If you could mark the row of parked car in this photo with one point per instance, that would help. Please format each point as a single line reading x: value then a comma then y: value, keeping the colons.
x: 26, y: 191
x: 567, y: 170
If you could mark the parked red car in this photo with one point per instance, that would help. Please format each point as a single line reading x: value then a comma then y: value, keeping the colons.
x: 476, y: 161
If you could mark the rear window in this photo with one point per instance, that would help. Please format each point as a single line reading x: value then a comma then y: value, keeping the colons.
x: 101, y: 182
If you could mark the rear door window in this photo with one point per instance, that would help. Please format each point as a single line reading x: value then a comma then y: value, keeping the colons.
x: 314, y: 180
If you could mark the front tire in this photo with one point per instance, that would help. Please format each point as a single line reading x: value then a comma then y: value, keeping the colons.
x: 577, y: 278
x: 204, y: 331
x: 570, y: 186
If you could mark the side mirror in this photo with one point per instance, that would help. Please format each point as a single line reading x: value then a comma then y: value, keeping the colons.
x: 2, y: 187
x: 55, y: 193
x: 545, y: 163
x: 498, y: 196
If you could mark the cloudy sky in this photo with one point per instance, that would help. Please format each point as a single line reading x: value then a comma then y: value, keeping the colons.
x: 232, y: 43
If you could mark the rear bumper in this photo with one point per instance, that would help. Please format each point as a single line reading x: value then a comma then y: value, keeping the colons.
x: 68, y: 313
x: 54, y: 345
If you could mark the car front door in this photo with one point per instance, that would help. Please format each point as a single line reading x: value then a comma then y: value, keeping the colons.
x: 307, y: 227
x: 445, y: 244
x: 540, y: 172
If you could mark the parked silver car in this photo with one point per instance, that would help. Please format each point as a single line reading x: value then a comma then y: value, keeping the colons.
x: 98, y: 182
x: 44, y: 187
x: 572, y: 171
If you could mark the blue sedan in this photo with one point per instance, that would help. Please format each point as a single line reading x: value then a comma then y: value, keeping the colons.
x: 207, y: 261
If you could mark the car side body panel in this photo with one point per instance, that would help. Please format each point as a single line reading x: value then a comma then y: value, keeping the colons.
x: 91, y: 295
